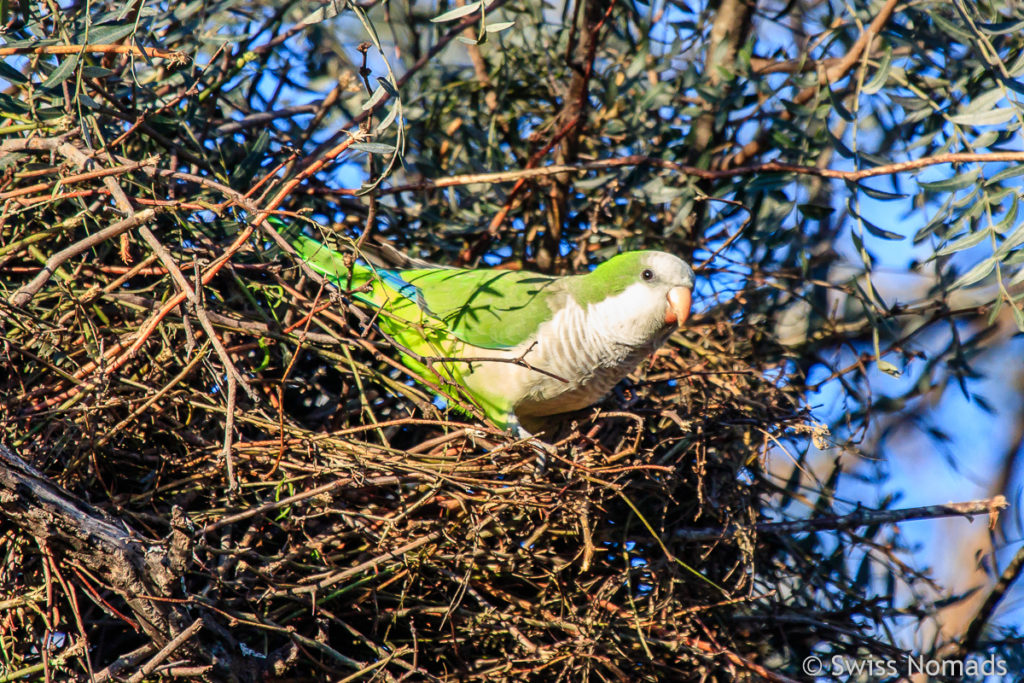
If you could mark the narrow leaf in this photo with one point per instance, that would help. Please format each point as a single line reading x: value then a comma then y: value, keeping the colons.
x: 328, y: 11
x: 975, y: 274
x: 61, y: 73
x: 965, y: 242
x: 387, y: 120
x: 881, y: 76
x: 379, y: 94
x: 957, y: 182
x: 499, y: 26
x: 373, y: 147
x: 992, y: 117
x: 458, y: 12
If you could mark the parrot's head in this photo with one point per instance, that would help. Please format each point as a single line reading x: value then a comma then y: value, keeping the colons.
x: 644, y: 294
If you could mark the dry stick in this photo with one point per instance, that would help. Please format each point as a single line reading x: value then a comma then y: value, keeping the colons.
x: 359, y: 568
x: 243, y: 237
x: 73, y: 600
x: 767, y: 167
x: 77, y: 178
x: 166, y: 651
x: 176, y: 56
x: 707, y: 647
x: 123, y: 662
x: 29, y: 290
x: 201, y: 313
x: 349, y: 482
x: 989, y: 506
x: 211, y: 270
x: 234, y: 377
x: 233, y: 197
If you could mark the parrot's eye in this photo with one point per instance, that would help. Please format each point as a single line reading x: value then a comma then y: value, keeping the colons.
x: 648, y: 274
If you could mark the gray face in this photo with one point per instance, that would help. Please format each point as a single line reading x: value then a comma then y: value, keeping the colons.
x: 664, y: 271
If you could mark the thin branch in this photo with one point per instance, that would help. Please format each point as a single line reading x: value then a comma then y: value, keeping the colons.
x: 989, y: 506
x: 988, y: 608
x: 176, y: 56
x: 26, y: 292
x: 755, y: 169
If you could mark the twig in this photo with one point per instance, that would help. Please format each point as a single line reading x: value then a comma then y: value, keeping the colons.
x: 989, y: 506
x: 29, y: 290
x: 176, y: 56
x: 756, y: 169
x: 166, y: 651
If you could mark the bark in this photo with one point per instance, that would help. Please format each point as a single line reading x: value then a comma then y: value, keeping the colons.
x: 590, y: 17
x: 73, y: 530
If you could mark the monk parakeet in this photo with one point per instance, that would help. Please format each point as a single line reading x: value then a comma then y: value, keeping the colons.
x: 585, y: 332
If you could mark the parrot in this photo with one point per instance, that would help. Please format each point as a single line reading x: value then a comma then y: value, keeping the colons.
x: 520, y: 346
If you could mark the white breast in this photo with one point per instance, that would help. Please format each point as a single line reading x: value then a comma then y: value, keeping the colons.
x: 592, y: 348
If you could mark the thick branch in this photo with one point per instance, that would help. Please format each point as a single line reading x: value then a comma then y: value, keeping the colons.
x: 73, y: 528
x: 591, y: 15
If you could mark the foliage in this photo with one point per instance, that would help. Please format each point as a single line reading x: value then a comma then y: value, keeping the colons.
x: 170, y: 363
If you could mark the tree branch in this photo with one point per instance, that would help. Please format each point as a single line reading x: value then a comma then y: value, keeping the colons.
x: 755, y: 169
x: 989, y: 506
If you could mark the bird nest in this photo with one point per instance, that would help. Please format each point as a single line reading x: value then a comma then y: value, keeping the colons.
x: 318, y: 513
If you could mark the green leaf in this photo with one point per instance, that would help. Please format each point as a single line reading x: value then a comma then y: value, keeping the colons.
x: 458, y: 12
x: 1006, y: 173
x: 881, y: 76
x: 1012, y: 241
x: 109, y: 33
x: 815, y: 212
x: 881, y: 232
x: 373, y: 148
x: 387, y: 120
x: 1018, y: 316
x: 965, y: 242
x: 1002, y: 27
x: 957, y: 182
x: 378, y: 95
x: 96, y: 72
x: 881, y: 195
x: 11, y: 74
x: 992, y: 117
x: 329, y: 10
x: 9, y: 105
x: 975, y: 274
x: 499, y: 26
x: 946, y: 26
x: 61, y: 73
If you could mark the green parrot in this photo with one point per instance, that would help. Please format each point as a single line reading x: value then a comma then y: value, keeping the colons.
x: 535, y: 345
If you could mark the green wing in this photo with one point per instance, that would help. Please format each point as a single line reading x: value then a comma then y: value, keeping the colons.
x: 490, y: 309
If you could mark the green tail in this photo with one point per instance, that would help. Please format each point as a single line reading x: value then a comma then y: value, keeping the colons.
x: 323, y: 259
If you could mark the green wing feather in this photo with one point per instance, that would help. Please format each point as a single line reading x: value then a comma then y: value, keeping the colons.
x: 490, y: 309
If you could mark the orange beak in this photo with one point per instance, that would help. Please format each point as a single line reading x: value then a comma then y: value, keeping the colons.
x: 679, y: 301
